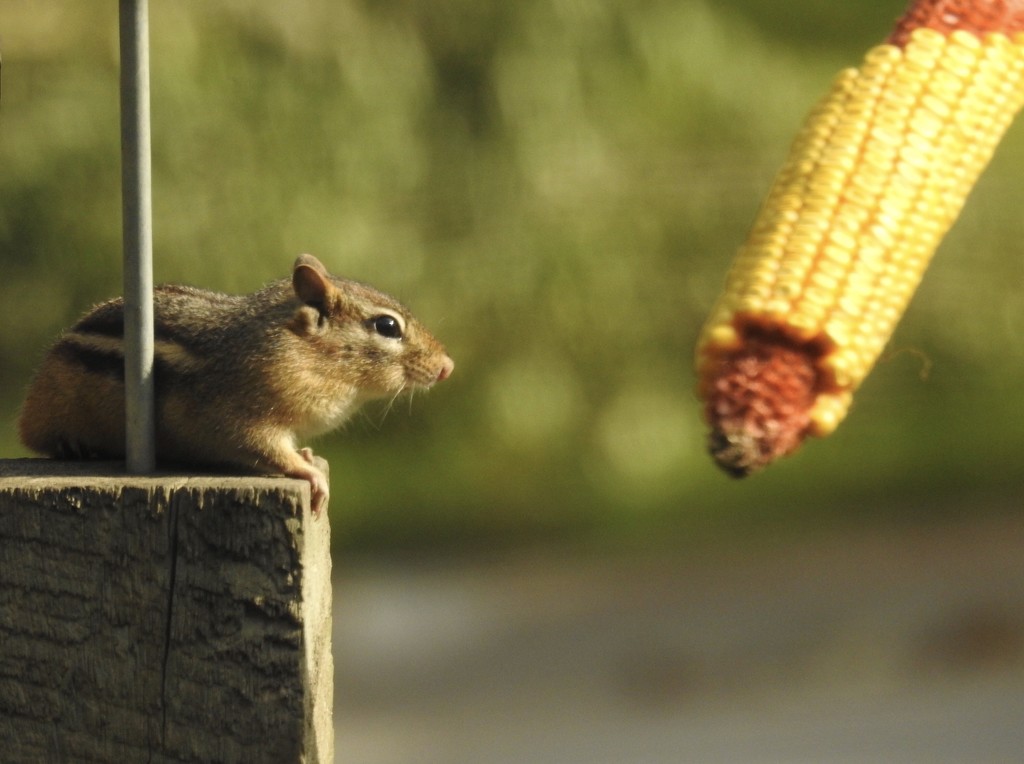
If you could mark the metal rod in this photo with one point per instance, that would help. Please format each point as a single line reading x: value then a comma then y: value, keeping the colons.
x: 137, y: 222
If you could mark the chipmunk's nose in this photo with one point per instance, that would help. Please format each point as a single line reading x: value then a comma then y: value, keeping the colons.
x: 446, y: 369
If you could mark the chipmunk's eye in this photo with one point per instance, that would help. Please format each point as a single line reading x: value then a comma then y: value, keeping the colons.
x: 387, y: 326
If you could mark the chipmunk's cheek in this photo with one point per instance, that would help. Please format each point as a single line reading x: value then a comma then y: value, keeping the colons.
x: 395, y: 380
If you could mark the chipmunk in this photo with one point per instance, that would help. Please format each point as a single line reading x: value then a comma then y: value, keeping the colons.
x: 238, y: 379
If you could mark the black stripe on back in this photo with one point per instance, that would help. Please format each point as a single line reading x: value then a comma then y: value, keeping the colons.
x: 94, y: 361
x: 109, y: 363
x: 110, y: 323
x: 106, y: 323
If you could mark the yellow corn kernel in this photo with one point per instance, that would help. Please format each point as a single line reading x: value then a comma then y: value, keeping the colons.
x: 875, y: 178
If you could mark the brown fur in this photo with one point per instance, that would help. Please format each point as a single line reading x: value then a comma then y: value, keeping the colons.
x: 239, y: 379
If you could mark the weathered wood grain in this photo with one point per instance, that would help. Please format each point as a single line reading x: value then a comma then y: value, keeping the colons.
x: 161, y: 619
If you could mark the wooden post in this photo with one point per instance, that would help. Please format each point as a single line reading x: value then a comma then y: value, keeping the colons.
x: 160, y: 619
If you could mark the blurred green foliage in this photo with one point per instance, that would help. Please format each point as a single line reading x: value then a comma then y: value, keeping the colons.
x: 556, y: 187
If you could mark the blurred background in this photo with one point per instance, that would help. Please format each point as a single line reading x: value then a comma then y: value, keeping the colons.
x: 556, y: 188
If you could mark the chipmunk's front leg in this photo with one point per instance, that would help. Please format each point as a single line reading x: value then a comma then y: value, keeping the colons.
x: 301, y: 464
x: 321, y: 487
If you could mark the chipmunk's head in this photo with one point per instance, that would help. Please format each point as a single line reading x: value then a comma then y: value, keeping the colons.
x: 365, y: 337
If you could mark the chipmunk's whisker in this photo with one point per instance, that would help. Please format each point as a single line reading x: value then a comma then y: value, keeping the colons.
x: 390, y: 404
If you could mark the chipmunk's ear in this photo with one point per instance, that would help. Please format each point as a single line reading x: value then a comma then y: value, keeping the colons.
x: 311, y: 282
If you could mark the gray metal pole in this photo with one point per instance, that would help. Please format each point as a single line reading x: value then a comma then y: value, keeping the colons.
x: 138, y: 237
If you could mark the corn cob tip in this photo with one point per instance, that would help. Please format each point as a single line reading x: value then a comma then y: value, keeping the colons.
x: 760, y: 401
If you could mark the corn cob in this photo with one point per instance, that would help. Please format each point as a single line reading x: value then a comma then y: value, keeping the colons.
x: 875, y: 178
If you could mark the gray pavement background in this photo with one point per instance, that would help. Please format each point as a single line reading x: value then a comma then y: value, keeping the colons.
x: 889, y: 644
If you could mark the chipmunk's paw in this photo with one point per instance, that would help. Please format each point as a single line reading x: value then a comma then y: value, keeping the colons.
x: 313, y: 469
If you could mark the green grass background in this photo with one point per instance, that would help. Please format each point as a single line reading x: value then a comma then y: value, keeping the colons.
x: 556, y: 188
